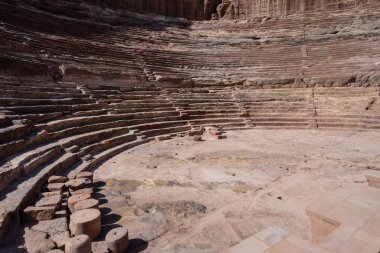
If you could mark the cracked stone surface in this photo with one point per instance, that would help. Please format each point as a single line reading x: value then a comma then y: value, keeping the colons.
x: 189, y: 196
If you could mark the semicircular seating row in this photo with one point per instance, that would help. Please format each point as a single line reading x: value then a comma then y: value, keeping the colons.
x: 50, y: 129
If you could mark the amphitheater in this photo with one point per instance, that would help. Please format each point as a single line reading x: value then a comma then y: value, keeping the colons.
x: 195, y: 126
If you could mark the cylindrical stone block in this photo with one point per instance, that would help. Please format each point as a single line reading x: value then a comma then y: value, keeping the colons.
x: 86, y: 174
x: 72, y: 200
x: 117, y: 240
x: 78, y: 244
x: 87, y: 221
x: 86, y: 204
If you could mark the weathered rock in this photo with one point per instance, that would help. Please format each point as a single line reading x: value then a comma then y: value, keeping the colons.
x: 86, y: 175
x: 79, y: 244
x: 56, y: 187
x: 54, y: 201
x: 117, y: 240
x: 87, y: 221
x: 37, y: 242
x: 100, y: 247
x: 88, y: 158
x: 76, y: 184
x: 74, y: 149
x: 39, y: 213
x: 86, y: 204
x: 197, y: 138
x: 55, y: 228
x: 61, y: 238
x: 88, y: 190
x: 57, y: 179
x: 72, y: 200
x: 50, y: 194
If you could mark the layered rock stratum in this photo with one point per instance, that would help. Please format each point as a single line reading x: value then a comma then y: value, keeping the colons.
x: 339, y: 47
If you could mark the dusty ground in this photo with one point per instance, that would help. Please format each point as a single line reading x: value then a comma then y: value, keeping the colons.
x: 187, y: 196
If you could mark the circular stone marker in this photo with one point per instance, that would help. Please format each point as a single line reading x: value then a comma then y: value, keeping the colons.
x: 117, y: 240
x: 78, y: 244
x: 72, y: 200
x: 86, y: 222
x: 86, y: 204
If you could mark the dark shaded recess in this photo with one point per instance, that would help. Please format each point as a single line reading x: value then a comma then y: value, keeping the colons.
x: 19, y: 67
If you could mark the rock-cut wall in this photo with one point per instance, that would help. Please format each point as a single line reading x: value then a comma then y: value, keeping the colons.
x: 228, y: 9
x: 246, y: 9
x: 190, y: 9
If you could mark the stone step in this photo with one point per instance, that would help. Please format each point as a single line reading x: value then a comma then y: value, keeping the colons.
x: 92, y: 137
x: 38, y: 95
x: 37, y: 109
x: 23, y: 192
x: 14, y: 132
x: 33, y: 102
x: 216, y: 121
x: 105, y: 144
x: 39, y: 88
x: 100, y: 158
x: 164, y: 131
x: 279, y: 123
x: 87, y: 129
x: 80, y: 121
x: 15, y: 146
x: 11, y: 171
x: 255, y: 119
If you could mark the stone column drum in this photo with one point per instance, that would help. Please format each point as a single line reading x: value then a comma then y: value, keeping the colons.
x: 87, y: 221
x: 78, y: 244
x: 117, y: 240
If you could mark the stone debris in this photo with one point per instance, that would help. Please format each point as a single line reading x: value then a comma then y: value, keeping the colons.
x: 60, y: 187
x: 86, y: 175
x: 197, y: 138
x: 39, y: 213
x: 57, y: 179
x: 37, y: 242
x: 50, y: 194
x: 54, y: 201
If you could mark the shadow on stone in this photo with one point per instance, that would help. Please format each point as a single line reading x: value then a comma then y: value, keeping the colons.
x: 137, y: 245
x: 105, y: 210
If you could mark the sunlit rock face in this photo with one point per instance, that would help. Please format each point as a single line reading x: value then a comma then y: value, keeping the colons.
x: 190, y: 9
x: 235, y: 9
x: 275, y: 8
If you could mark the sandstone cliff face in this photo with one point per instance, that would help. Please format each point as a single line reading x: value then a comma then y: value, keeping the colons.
x: 276, y: 8
x: 190, y: 9
x: 235, y: 9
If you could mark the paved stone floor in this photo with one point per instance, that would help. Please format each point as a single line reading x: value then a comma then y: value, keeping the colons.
x: 186, y: 196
